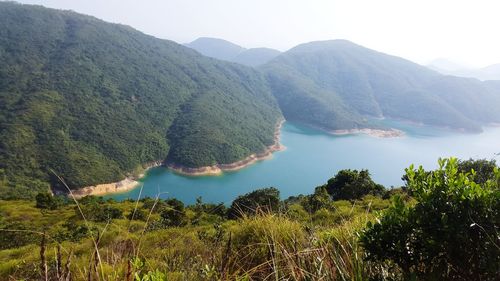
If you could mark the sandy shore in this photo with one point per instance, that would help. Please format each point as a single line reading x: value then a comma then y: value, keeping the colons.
x: 389, y: 133
x: 124, y: 185
x: 220, y: 168
x: 106, y: 188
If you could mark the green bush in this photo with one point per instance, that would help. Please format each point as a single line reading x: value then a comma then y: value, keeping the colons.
x: 266, y: 199
x: 352, y: 185
x: 451, y: 232
x: 45, y: 200
x: 173, y: 214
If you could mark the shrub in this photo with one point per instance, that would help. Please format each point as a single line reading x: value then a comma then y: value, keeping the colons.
x: 451, y: 232
x: 352, y: 185
x: 173, y: 214
x: 99, y: 212
x: 45, y: 200
x: 267, y: 199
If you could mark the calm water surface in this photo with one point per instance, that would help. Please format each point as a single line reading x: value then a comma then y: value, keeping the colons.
x: 312, y: 157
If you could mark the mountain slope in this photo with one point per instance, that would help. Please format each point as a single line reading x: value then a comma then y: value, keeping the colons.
x: 92, y: 101
x: 255, y: 56
x: 215, y: 48
x: 225, y: 50
x: 345, y: 77
x: 491, y: 72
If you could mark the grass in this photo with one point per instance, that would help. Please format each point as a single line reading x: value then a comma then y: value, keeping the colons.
x: 289, y: 245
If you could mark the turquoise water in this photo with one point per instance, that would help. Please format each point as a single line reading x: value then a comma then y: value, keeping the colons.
x: 312, y: 157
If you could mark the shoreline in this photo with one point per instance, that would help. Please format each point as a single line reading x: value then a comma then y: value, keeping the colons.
x: 378, y: 133
x: 218, y: 169
x: 127, y: 184
x: 131, y: 183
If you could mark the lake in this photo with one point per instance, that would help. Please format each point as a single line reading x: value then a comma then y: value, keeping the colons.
x: 312, y: 157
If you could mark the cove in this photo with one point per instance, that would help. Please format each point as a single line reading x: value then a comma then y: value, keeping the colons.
x: 312, y: 157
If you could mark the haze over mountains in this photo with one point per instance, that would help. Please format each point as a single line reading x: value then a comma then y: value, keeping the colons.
x: 93, y: 101
x: 339, y: 85
x: 225, y: 50
x: 444, y: 66
x: 333, y: 84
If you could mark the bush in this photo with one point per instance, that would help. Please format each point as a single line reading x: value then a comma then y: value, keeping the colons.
x: 451, y: 232
x: 267, y: 199
x: 173, y: 214
x: 45, y: 200
x: 137, y: 214
x: 352, y: 185
x: 99, y: 212
x: 484, y: 170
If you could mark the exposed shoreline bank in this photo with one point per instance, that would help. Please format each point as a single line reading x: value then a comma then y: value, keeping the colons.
x: 122, y: 186
x: 218, y: 169
x: 131, y: 183
x: 378, y: 133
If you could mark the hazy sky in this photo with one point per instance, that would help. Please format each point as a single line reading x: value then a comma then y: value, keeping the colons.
x: 464, y: 31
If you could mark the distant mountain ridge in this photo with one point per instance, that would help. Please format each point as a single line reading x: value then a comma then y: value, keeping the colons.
x: 225, y: 50
x: 491, y: 72
x: 335, y: 84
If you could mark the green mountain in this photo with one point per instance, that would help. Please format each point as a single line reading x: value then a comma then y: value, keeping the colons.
x: 337, y: 84
x: 225, y: 50
x: 93, y: 101
x: 256, y: 56
x: 215, y: 48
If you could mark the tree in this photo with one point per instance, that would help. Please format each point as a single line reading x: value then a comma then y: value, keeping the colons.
x: 451, y: 232
x: 45, y: 200
x: 267, y: 199
x: 96, y: 209
x: 173, y: 213
x: 484, y: 170
x: 352, y: 185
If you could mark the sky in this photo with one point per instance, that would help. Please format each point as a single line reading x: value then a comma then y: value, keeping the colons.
x: 464, y: 31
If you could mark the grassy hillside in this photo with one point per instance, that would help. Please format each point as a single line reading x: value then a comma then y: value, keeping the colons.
x: 93, y: 101
x: 350, y: 228
x: 338, y: 76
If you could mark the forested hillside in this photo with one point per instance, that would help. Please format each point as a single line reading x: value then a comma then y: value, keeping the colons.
x: 332, y: 84
x: 93, y: 101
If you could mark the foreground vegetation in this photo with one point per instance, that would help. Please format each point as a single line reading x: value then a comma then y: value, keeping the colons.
x: 348, y: 229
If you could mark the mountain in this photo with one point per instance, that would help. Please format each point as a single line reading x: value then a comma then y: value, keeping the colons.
x: 445, y: 66
x: 92, y: 101
x: 225, y: 50
x: 216, y: 48
x: 491, y: 72
x: 340, y: 85
x: 255, y: 56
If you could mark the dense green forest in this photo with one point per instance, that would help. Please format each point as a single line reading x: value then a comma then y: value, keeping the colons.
x: 441, y: 225
x: 335, y: 84
x: 92, y: 102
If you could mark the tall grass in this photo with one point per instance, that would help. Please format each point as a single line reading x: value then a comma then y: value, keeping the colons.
x: 263, y: 246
